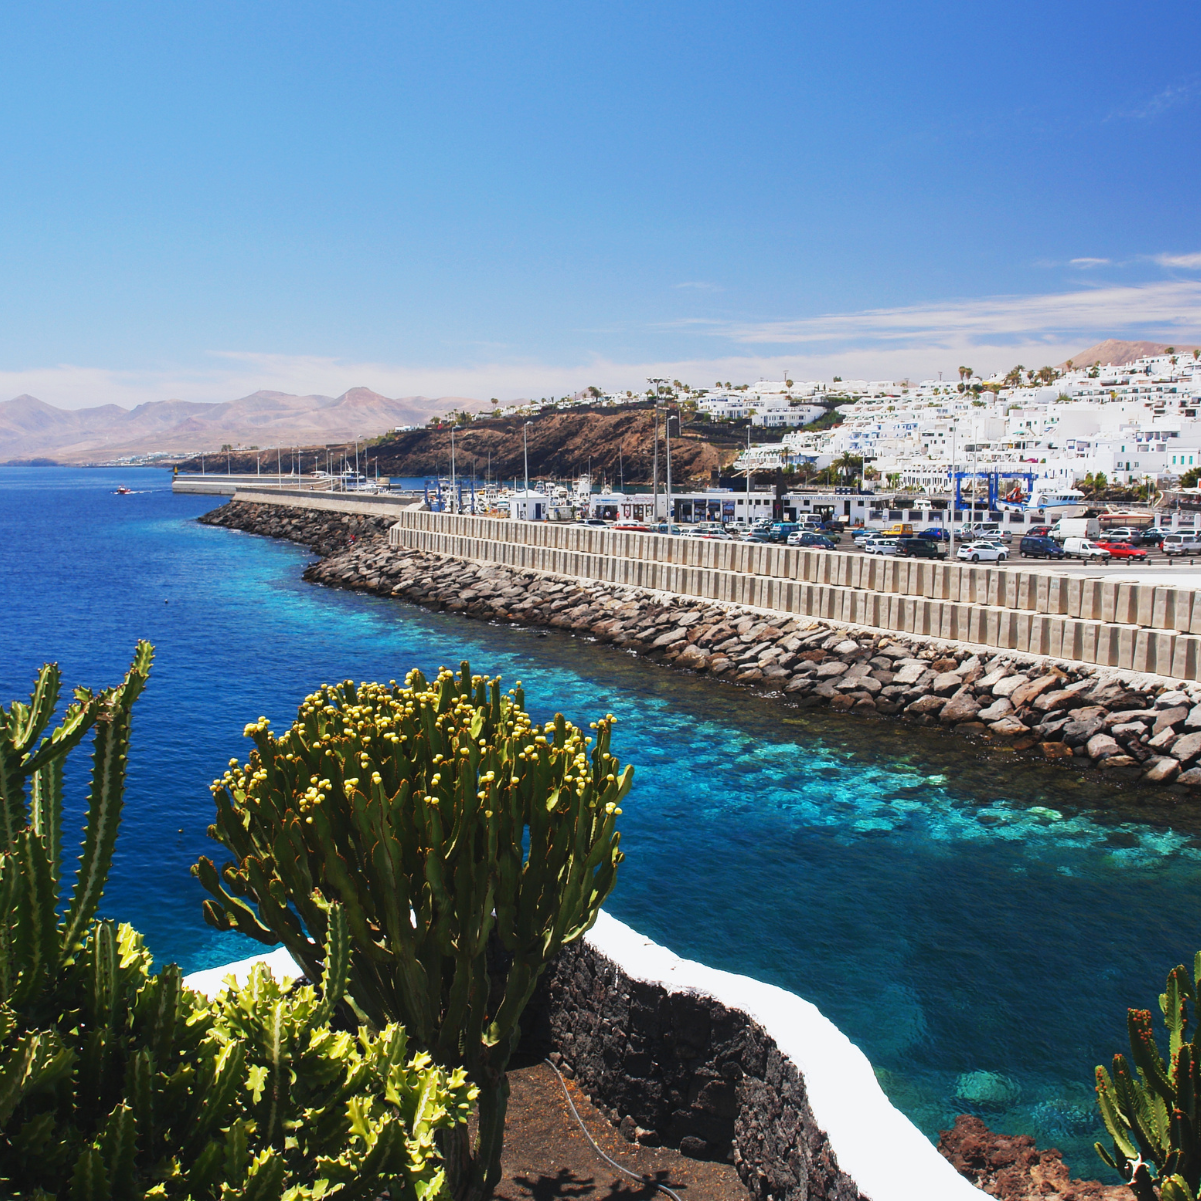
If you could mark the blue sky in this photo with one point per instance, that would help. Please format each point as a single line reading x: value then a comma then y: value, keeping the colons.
x: 522, y: 199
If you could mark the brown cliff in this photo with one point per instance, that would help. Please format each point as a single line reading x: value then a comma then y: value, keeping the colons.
x: 618, y: 445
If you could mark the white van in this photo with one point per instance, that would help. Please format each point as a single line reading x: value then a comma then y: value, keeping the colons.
x: 1075, y: 527
x: 1084, y: 548
x: 1184, y: 543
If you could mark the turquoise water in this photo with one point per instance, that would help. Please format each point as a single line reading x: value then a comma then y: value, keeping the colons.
x: 953, y: 911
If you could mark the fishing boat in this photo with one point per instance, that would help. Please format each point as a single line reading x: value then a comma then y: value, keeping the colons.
x: 122, y: 490
x: 1049, y: 501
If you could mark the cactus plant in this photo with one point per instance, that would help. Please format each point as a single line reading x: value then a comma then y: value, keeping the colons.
x: 120, y: 1085
x: 440, y: 817
x: 1153, y: 1114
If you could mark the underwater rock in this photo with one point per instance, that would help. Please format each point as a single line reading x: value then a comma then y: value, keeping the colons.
x: 989, y: 1090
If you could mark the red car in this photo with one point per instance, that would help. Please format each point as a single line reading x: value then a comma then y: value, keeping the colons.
x: 1124, y: 551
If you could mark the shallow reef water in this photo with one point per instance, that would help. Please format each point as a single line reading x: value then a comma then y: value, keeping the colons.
x: 977, y: 922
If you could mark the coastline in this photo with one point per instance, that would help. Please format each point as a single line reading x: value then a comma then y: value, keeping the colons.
x: 1122, y: 725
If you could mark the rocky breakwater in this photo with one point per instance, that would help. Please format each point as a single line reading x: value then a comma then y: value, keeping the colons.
x: 1130, y: 726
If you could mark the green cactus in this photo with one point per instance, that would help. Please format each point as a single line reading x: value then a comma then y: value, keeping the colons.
x: 120, y: 1085
x: 1153, y: 1114
x: 439, y: 817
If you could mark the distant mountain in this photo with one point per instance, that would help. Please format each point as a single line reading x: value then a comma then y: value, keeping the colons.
x: 30, y: 428
x: 1111, y: 352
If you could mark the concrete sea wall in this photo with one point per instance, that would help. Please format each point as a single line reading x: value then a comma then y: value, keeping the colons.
x: 1128, y: 724
x: 1131, y: 626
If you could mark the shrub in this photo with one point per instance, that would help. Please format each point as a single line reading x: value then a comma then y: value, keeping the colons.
x: 441, y: 818
x: 119, y: 1085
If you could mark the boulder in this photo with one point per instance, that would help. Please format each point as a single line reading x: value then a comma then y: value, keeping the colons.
x: 926, y: 704
x: 1163, y: 740
x: 939, y: 666
x: 1102, y: 746
x: 842, y: 703
x: 828, y: 670
x: 1193, y: 721
x: 993, y: 678
x: 671, y: 636
x: 1192, y: 777
x: 910, y: 673
x: 1009, y: 685
x: 946, y: 682
x: 1055, y: 750
x: 1077, y: 732
x: 997, y: 710
x: 1116, y: 761
x: 1025, y: 693
x: 849, y: 647
x: 1162, y: 770
x: 1187, y: 747
x: 1169, y: 717
x: 1007, y: 726
x: 959, y: 708
x: 1062, y: 698
x: 1172, y: 700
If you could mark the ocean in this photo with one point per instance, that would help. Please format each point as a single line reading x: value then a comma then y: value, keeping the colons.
x: 954, y: 911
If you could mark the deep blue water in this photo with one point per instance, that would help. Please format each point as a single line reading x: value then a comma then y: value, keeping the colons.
x: 954, y: 912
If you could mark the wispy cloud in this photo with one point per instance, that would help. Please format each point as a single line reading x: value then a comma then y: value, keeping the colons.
x: 886, y: 343
x: 700, y: 285
x: 1160, y: 102
x: 1173, y: 305
x: 1085, y: 263
x: 1187, y: 261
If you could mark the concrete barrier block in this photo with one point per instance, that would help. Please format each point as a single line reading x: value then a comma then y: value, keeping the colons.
x: 1145, y: 606
x: 1184, y: 657
x: 1125, y: 647
x: 1144, y: 651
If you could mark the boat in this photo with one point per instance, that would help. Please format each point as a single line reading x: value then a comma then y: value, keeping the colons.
x: 122, y: 490
x: 1133, y: 518
x: 1049, y: 501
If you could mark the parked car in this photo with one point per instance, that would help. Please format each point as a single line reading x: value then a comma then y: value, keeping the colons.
x: 1183, y: 543
x: 920, y: 548
x: 667, y: 527
x: 781, y: 529
x: 1121, y: 533
x: 1032, y: 547
x: 1085, y: 548
x: 982, y: 552
x: 1039, y: 531
x: 811, y: 539
x: 1123, y: 552
x: 1151, y: 536
x: 636, y: 527
x: 858, y: 535
x: 987, y: 529
x: 937, y: 533
x: 880, y: 546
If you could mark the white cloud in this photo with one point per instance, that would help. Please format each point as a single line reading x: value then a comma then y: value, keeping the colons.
x: 700, y: 285
x: 1173, y: 305
x: 1188, y: 261
x: 1087, y: 262
x: 915, y: 341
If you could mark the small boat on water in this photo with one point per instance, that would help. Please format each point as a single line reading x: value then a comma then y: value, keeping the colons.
x: 122, y: 490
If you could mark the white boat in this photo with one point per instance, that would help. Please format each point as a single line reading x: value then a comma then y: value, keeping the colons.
x: 1051, y: 502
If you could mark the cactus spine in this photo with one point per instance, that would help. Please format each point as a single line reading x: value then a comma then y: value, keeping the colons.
x: 413, y: 807
x: 1153, y: 1114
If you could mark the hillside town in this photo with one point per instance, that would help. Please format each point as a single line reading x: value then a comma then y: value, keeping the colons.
x: 1134, y: 424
